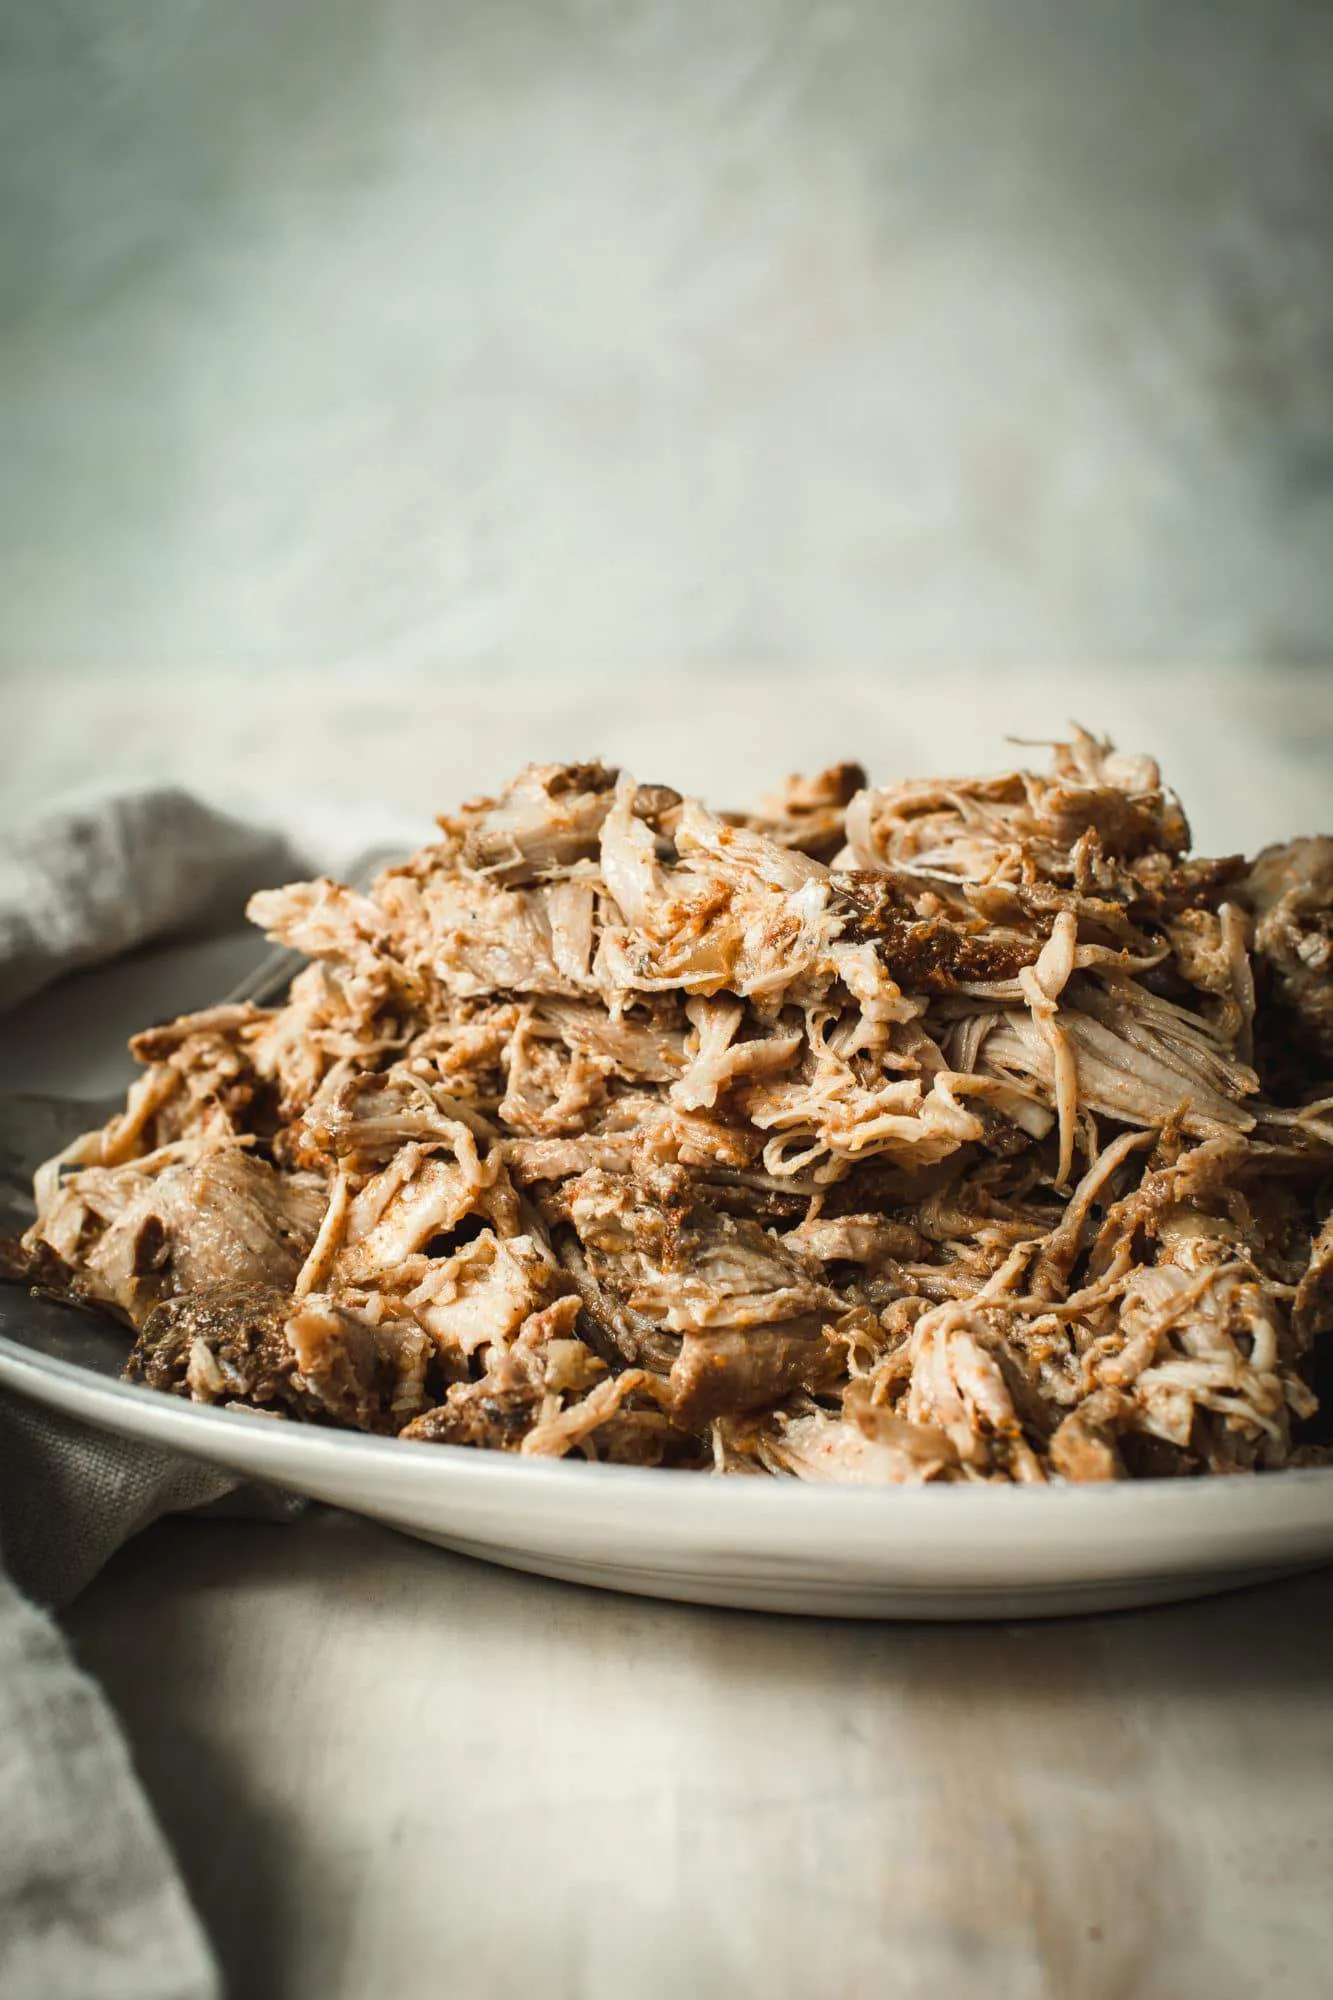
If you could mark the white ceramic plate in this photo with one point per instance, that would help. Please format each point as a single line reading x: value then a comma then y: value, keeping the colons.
x: 773, y: 1545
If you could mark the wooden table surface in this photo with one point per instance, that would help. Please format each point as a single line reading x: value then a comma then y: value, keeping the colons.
x: 392, y: 1771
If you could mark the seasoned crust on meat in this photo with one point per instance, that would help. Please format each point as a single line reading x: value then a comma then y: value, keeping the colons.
x: 310, y: 1358
x: 962, y: 1129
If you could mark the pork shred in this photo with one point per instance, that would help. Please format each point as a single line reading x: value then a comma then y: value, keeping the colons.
x: 960, y: 1129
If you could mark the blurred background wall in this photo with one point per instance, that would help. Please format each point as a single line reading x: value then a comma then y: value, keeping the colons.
x: 382, y: 344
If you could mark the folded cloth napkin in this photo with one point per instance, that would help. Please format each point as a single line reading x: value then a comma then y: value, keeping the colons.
x: 91, y: 1904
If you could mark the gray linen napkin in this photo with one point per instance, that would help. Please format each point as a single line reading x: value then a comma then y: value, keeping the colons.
x: 91, y: 1904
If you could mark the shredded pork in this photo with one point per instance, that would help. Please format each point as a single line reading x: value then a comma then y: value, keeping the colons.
x: 953, y: 1130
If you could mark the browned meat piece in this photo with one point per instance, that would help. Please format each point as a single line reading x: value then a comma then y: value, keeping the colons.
x: 308, y: 1358
x: 545, y: 1394
x: 926, y: 951
x: 154, y: 1228
x: 963, y: 1129
x: 37, y: 1265
x: 610, y: 1325
x: 546, y: 1359
x: 809, y: 814
x: 1162, y: 887
x: 1289, y: 890
x: 748, y: 1369
x: 243, y: 1346
x: 683, y: 1267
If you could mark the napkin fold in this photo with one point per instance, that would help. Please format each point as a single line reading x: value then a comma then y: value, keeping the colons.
x: 92, y: 1906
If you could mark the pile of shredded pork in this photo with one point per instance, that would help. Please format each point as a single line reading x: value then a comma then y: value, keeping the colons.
x: 959, y: 1129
